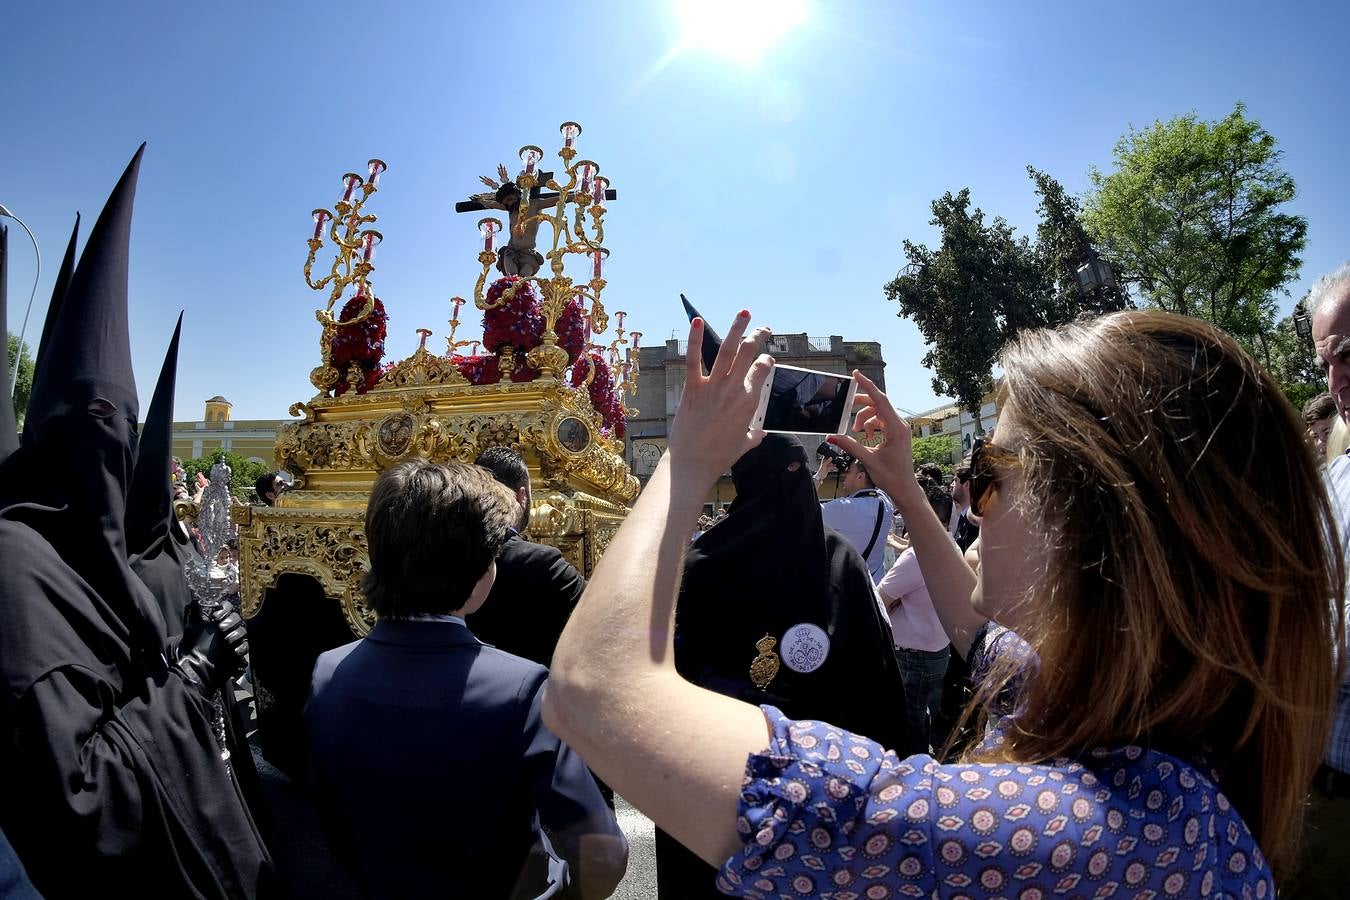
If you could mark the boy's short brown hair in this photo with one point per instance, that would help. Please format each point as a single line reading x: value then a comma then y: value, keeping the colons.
x: 433, y: 530
x: 1321, y: 407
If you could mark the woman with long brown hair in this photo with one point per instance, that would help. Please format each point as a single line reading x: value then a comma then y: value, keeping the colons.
x: 1155, y: 554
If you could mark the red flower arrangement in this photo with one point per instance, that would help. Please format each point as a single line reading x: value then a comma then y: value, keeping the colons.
x: 486, y: 369
x: 480, y: 369
x: 360, y: 345
x: 602, y: 395
x: 571, y: 329
x: 519, y: 322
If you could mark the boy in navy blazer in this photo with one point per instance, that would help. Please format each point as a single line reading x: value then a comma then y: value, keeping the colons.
x: 430, y: 763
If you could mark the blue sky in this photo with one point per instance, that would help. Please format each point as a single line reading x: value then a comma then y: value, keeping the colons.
x: 785, y: 186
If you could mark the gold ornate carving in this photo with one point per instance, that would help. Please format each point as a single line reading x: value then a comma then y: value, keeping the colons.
x: 421, y: 369
x: 332, y: 552
x: 301, y: 446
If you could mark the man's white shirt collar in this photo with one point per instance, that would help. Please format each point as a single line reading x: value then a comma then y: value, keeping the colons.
x: 428, y: 617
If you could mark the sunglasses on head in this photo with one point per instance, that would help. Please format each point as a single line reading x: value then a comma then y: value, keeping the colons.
x: 985, y: 459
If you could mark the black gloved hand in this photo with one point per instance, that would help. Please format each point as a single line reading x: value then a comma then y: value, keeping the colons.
x: 214, y: 650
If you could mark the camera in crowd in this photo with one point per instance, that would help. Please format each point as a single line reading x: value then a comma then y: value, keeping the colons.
x: 842, y: 461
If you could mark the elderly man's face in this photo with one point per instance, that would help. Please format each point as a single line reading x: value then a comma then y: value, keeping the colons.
x: 1331, y: 334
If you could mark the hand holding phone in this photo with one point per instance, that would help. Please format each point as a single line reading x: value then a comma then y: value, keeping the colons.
x: 805, y: 401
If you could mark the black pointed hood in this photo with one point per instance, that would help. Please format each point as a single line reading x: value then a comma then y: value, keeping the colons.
x: 157, y: 543
x: 9, y: 434
x: 150, y: 498
x: 59, y: 289
x: 80, y: 433
x: 711, y: 342
x: 88, y: 354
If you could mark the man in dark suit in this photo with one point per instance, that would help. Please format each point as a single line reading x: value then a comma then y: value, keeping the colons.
x: 430, y: 762
x: 536, y: 589
x: 963, y: 525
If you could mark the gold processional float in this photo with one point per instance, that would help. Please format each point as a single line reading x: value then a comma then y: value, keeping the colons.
x: 542, y: 386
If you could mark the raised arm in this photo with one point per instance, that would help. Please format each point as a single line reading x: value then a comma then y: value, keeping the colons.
x: 891, y: 464
x: 675, y: 751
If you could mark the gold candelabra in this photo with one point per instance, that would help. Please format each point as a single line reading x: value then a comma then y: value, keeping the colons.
x: 584, y: 190
x: 625, y: 370
x: 353, y: 262
x: 452, y: 345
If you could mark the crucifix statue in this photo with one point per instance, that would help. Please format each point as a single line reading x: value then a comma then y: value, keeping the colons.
x: 519, y: 256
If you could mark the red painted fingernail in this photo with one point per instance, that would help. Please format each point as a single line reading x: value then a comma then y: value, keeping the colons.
x: 745, y: 314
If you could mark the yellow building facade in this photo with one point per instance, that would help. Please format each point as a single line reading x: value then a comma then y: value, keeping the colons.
x: 253, y: 439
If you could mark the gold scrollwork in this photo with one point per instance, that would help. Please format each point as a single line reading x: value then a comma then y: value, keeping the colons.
x: 333, y: 551
x: 420, y: 369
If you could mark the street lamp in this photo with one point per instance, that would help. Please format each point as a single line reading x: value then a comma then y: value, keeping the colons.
x: 5, y: 213
x: 1303, y: 324
x: 1095, y: 272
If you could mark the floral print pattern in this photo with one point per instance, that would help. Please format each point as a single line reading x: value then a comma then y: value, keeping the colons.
x: 825, y: 813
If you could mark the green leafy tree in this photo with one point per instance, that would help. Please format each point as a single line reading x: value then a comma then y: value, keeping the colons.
x: 978, y: 288
x: 1062, y: 246
x: 1191, y: 217
x: 937, y: 449
x: 24, y: 386
x: 243, y: 472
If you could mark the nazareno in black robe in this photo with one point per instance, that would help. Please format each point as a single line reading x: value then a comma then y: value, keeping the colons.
x: 111, y: 775
x: 770, y: 565
x: 157, y: 546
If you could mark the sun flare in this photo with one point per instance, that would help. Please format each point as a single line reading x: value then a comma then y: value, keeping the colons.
x: 740, y: 29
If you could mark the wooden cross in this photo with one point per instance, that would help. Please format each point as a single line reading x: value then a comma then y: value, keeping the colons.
x: 536, y: 193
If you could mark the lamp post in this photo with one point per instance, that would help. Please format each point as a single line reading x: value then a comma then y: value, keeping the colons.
x: 5, y: 213
x: 1303, y: 324
x: 1095, y: 272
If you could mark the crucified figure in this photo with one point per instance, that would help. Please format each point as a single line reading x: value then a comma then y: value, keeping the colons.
x: 518, y: 257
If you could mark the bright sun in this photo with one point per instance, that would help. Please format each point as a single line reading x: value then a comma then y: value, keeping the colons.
x: 740, y: 29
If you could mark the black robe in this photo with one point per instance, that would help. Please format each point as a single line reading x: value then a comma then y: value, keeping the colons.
x: 110, y: 773
x: 771, y: 564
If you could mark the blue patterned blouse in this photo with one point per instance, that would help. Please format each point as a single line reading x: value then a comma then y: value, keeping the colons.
x: 825, y: 813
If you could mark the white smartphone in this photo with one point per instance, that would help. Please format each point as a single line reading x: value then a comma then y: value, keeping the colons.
x: 805, y: 401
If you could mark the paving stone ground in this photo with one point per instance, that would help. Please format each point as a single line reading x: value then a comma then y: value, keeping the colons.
x: 640, y: 881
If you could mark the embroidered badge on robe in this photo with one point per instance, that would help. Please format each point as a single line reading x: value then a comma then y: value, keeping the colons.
x: 765, y: 666
x: 805, y: 647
